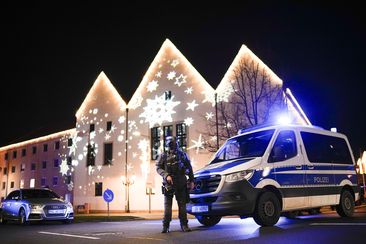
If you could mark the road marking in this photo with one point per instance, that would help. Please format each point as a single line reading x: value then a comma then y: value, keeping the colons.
x: 340, y: 224
x: 76, y: 236
x: 146, y: 238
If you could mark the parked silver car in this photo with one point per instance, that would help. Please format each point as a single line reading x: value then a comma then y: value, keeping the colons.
x: 26, y: 205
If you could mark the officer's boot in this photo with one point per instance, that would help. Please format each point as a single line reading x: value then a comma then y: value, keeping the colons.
x: 165, y: 229
x: 185, y: 228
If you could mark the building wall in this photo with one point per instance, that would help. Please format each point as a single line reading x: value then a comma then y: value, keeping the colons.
x: 21, y: 176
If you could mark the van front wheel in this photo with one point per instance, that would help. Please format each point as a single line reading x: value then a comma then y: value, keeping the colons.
x: 268, y: 209
x: 346, y: 204
x: 208, y: 220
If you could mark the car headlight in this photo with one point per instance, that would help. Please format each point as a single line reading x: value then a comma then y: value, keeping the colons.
x: 35, y: 206
x: 237, y: 176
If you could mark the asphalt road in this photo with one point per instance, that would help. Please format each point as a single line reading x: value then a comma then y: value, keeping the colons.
x: 322, y: 228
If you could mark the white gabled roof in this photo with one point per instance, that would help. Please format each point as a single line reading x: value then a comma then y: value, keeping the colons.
x: 102, y: 79
x: 167, y: 46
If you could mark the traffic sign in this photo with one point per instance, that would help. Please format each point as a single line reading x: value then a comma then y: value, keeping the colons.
x: 108, y: 195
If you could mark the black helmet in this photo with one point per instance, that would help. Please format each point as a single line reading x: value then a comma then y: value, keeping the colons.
x: 170, y: 141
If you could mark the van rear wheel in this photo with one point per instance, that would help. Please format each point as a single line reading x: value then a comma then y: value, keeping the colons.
x: 208, y: 220
x: 346, y: 204
x: 268, y: 209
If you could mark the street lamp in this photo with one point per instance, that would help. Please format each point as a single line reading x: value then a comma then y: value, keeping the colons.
x: 127, y: 182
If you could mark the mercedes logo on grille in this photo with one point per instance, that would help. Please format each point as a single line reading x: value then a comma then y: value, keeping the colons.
x: 198, y: 185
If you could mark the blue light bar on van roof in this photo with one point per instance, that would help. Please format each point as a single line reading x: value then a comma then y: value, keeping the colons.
x: 256, y: 127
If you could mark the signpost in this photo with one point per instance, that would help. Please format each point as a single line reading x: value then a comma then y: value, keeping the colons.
x: 108, y: 196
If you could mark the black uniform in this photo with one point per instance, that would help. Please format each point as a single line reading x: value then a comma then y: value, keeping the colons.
x: 176, y: 164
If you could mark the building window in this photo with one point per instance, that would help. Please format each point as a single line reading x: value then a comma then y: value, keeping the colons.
x: 68, y: 179
x: 6, y: 157
x: 33, y: 166
x: 69, y: 160
x: 24, y: 152
x: 12, y: 184
x: 69, y: 142
x: 56, y: 163
x: 167, y: 131
x: 13, y: 169
x: 45, y: 147
x: 5, y: 170
x: 34, y: 150
x: 44, y: 164
x: 98, y: 189
x: 22, y: 167
x: 90, y: 156
x: 15, y: 154
x: 181, y: 131
x: 91, y: 127
x: 21, y: 184
x: 54, y: 181
x: 155, y: 142
x: 57, y: 145
x: 109, y: 125
x: 43, y: 181
x: 4, y: 184
x: 32, y: 183
x: 108, y: 153
x: 168, y: 95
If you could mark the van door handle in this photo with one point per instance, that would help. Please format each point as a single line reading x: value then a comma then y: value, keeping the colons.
x: 310, y: 166
x: 299, y: 167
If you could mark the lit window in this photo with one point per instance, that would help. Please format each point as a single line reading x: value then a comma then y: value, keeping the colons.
x: 32, y: 183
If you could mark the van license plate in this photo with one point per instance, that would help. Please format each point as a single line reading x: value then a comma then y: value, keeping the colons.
x: 199, y: 209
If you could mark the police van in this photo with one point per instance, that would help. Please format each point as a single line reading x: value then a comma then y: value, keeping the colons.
x: 266, y: 171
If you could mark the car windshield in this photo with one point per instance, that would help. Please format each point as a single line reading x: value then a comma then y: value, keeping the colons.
x: 245, y: 146
x: 38, y: 194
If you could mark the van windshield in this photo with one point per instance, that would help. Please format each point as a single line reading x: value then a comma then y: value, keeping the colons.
x: 246, y: 146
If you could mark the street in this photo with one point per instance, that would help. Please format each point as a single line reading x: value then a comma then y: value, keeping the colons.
x: 323, y: 228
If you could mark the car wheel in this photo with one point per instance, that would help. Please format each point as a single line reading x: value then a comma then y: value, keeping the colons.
x: 208, y: 220
x: 268, y: 209
x: 2, y: 219
x: 346, y: 204
x: 22, y: 217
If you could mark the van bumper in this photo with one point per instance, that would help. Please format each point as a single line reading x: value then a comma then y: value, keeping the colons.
x: 234, y: 198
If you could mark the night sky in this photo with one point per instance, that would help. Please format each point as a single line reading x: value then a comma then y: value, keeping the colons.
x: 51, y: 57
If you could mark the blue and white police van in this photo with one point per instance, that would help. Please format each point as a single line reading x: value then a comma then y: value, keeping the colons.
x: 266, y: 171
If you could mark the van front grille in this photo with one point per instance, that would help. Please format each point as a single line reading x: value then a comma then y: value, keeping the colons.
x: 206, y: 184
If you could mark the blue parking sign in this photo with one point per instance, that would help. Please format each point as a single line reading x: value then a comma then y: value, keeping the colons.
x: 108, y: 195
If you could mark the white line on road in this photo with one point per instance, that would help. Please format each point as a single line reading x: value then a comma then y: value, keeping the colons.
x: 340, y: 224
x: 76, y: 236
x: 146, y: 238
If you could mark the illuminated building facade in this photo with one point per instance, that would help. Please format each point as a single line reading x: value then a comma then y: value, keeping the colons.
x: 114, y: 144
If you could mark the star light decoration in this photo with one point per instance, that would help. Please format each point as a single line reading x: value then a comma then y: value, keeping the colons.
x: 180, y: 80
x: 197, y: 144
x: 152, y: 86
x: 192, y: 105
x: 189, y: 90
x: 159, y: 110
x: 64, y: 167
x: 171, y: 75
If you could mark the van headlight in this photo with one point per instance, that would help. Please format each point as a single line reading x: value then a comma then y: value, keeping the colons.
x: 237, y: 176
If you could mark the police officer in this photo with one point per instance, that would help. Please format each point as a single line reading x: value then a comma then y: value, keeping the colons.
x: 173, y: 165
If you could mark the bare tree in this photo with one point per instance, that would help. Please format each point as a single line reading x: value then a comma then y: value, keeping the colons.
x: 254, y: 99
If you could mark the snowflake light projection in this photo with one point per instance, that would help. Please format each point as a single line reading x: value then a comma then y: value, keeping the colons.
x: 143, y: 145
x: 197, y: 144
x: 174, y: 63
x: 191, y: 105
x: 64, y: 167
x: 158, y: 74
x: 188, y: 121
x: 136, y: 102
x: 209, y: 115
x: 152, y: 86
x: 180, y: 80
x: 189, y: 90
x: 121, y: 119
x: 224, y: 92
x: 159, y: 110
x: 73, y: 147
x: 171, y: 75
